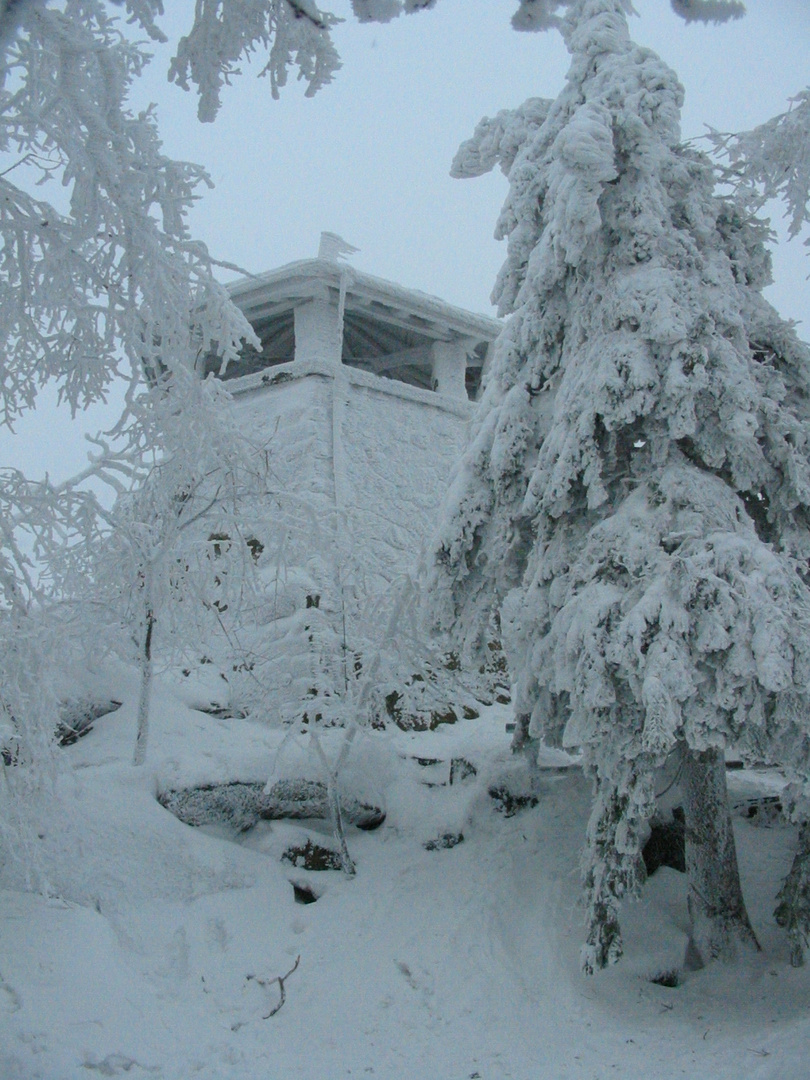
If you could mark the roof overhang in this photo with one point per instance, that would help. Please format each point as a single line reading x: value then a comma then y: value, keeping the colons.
x: 274, y: 293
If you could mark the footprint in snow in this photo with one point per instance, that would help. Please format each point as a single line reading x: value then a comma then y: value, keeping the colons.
x: 9, y: 998
x: 425, y: 983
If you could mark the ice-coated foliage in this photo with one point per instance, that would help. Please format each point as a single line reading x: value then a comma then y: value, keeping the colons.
x: 226, y: 31
x: 383, y: 11
x: 497, y: 141
x: 773, y: 161
x: 163, y: 571
x: 549, y: 14
x: 708, y: 11
x: 636, y: 492
x: 107, y: 284
x: 114, y: 280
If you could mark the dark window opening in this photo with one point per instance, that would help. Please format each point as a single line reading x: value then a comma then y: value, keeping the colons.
x: 278, y: 347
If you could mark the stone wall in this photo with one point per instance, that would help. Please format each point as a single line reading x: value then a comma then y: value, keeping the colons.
x: 358, y: 469
x: 398, y: 457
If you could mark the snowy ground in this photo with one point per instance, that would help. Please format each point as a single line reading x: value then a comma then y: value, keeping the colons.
x: 450, y: 964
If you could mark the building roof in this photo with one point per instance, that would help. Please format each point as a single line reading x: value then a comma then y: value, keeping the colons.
x: 280, y: 290
x: 388, y: 330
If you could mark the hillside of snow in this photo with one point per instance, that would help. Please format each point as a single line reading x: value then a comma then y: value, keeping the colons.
x: 159, y: 949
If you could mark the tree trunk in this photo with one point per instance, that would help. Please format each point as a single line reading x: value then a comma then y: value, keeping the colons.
x: 522, y: 741
x: 346, y: 861
x: 139, y: 756
x: 719, y: 923
x: 793, y: 911
x: 333, y: 802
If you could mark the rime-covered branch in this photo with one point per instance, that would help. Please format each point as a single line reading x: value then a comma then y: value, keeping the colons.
x: 226, y: 32
x: 113, y: 281
x: 772, y: 161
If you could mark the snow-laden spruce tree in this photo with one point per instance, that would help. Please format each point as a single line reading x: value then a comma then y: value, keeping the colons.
x: 637, y: 490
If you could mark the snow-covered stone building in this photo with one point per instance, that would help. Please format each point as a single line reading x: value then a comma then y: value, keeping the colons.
x: 361, y: 392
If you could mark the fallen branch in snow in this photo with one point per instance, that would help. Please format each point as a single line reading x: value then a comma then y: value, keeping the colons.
x: 241, y: 805
x: 280, y: 979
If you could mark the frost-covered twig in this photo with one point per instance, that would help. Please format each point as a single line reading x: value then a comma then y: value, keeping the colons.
x: 772, y: 161
x: 282, y: 992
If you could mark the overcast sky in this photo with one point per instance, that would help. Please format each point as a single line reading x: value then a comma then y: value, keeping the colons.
x: 368, y: 156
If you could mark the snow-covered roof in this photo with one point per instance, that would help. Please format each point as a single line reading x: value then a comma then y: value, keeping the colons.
x: 279, y: 290
x: 386, y: 329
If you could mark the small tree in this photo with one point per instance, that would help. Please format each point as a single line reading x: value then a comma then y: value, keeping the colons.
x: 171, y: 564
x: 636, y: 494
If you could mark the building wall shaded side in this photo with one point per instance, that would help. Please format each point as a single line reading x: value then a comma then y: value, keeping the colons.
x: 292, y: 422
x: 398, y: 458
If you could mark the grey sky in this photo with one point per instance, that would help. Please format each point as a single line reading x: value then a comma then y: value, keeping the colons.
x: 368, y: 157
